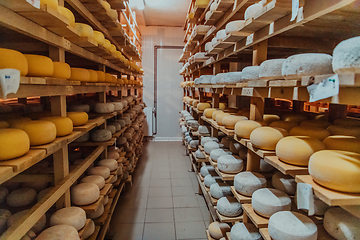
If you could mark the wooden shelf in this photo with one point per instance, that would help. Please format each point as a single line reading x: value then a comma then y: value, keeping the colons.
x: 207, y: 199
x: 199, y: 160
x: 93, y: 207
x: 229, y: 219
x: 241, y: 198
x: 261, y: 153
x: 81, y: 231
x: 92, y: 123
x: 106, y: 189
x: 95, y: 234
x: 229, y: 132
x: 242, y: 141
x: 92, y: 144
x: 258, y: 221
x: 225, y: 176
x: 285, y: 168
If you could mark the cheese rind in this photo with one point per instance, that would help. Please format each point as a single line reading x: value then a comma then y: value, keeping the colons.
x: 64, y: 125
x: 84, y: 194
x: 346, y: 56
x: 16, y: 220
x: 219, y: 190
x: 267, y: 137
x: 314, y: 132
x: 67, y: 14
x: 209, y: 146
x: 39, y: 66
x: 84, y: 30
x: 203, y: 106
x: 230, y: 121
x: 246, y: 183
x: 344, y: 130
x: 78, y: 118
x: 13, y: 143
x: 101, y: 135
x: 271, y: 69
x: 61, y: 70
x: 100, y: 170
x: 345, y: 143
x: 341, y: 225
x: 39, y: 132
x: 215, y: 113
x: 97, y: 179
x: 73, y: 216
x: 230, y: 164
x: 243, y: 129
x: 13, y: 59
x: 21, y: 197
x: 229, y: 207
x: 59, y: 232
x: 80, y: 74
x: 267, y: 201
x: 104, y: 108
x: 208, y: 112
x: 218, y: 230
x: 284, y: 183
x: 242, y: 231
x: 112, y: 164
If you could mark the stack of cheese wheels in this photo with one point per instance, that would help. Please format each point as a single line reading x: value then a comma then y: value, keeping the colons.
x: 208, y: 112
x: 267, y: 201
x: 315, y: 132
x: 85, y: 194
x: 216, y: 153
x: 73, y: 216
x: 230, y: 164
x: 230, y: 121
x: 271, y: 69
x: 345, y: 143
x: 215, y: 113
x: 64, y: 125
x: 345, y: 56
x: 243, y: 129
x: 267, y: 137
x: 337, y: 170
x: 283, y: 124
x: 14, y: 143
x: 284, y: 183
x: 21, y: 197
x: 80, y: 74
x: 15, y: 220
x: 218, y: 230
x: 101, y: 135
x: 59, y: 232
x: 220, y: 117
x: 13, y: 59
x: 220, y: 189
x: 203, y: 106
x: 297, y: 150
x: 344, y: 130
x: 39, y: 132
x: 341, y: 224
x: 229, y: 206
x: 285, y: 225
x: 246, y: 183
x: 97, y: 179
x: 61, y: 70
x: 39, y: 66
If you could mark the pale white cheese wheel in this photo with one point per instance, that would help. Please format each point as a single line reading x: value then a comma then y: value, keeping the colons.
x: 205, y: 140
x: 287, y: 225
x: 252, y: 10
x: 118, y: 106
x: 267, y: 137
x: 193, y: 124
x: 284, y: 183
x: 265, y: 167
x: 284, y: 125
x: 112, y: 164
x: 230, y: 164
x: 203, y: 130
x: 307, y: 64
x: 101, y: 135
x: 209, y: 146
x: 216, y: 153
x: 314, y: 132
x: 85, y: 194
x: 111, y: 128
x: 97, y: 179
x: 221, y: 34
x: 4, y: 217
x: 229, y: 121
x: 346, y: 56
x: 89, y: 230
x: 234, y: 26
x: 206, y: 170
x: 73, y: 216
x: 114, y: 179
x: 199, y: 154
x: 251, y: 73
x: 231, y: 78
x: 246, y: 183
x: 59, y: 232
x: 229, y: 207
x: 244, y: 231
x: 214, y: 6
x: 243, y: 129
x: 104, y: 108
x: 267, y: 201
x: 113, y: 154
x: 208, y: 46
x: 194, y: 143
x: 271, y: 69
x: 345, y: 143
x: 97, y: 213
x: 21, y: 197
x: 220, y: 189
x: 16, y: 220
x: 218, y: 230
x: 100, y: 170
x: 3, y: 194
x: 208, y: 15
x: 210, y: 179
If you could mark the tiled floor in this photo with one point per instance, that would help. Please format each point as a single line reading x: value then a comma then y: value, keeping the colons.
x: 162, y: 203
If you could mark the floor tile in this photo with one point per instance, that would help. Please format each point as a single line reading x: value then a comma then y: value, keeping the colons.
x: 178, y: 174
x: 160, y: 192
x: 159, y: 215
x: 188, y: 215
x: 160, y: 202
x: 129, y: 231
x: 130, y: 202
x: 129, y: 215
x: 185, y: 201
x: 183, y: 191
x: 159, y: 231
x: 190, y: 230
x: 158, y: 182
x: 162, y: 175
x: 181, y: 182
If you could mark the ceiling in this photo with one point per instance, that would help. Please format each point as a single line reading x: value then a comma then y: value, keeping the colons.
x: 170, y: 13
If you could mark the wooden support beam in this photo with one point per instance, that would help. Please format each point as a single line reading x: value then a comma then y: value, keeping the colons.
x: 256, y: 109
x: 61, y: 170
x: 215, y: 100
x: 56, y: 54
x: 58, y: 105
x: 260, y: 53
x: 253, y: 162
x: 337, y: 111
x: 216, y: 68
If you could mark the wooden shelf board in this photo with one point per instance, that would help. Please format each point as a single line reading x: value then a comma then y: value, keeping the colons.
x: 241, y: 198
x: 258, y: 221
x: 81, y: 231
x: 225, y: 176
x: 274, y: 11
x: 265, y: 233
x: 113, y: 193
x: 229, y: 132
x: 234, y: 37
x: 229, y: 219
x: 93, y: 207
x: 213, y: 200
x: 93, y: 144
x: 92, y: 123
x: 242, y: 141
x: 95, y: 234
x: 261, y: 153
x: 106, y: 189
x: 102, y: 219
x: 285, y: 168
x: 208, y: 235
x: 213, y: 163
x: 199, y: 160
x: 109, y: 179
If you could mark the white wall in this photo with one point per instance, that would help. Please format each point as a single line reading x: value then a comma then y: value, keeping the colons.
x: 169, y: 91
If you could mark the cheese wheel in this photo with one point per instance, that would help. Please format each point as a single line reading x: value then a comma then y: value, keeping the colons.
x: 112, y: 164
x: 220, y: 189
x: 89, y: 230
x: 337, y: 170
x: 59, y: 232
x: 315, y: 123
x: 4, y: 124
x: 100, y: 170
x: 67, y: 14
x: 80, y: 74
x: 39, y: 132
x: 230, y: 121
x: 345, y: 56
x: 209, y: 146
x: 97, y: 179
x: 78, y: 118
x: 242, y: 231
x: 267, y: 201
x: 3, y: 194
x: 101, y: 135
x: 97, y: 213
x: 39, y: 66
x: 203, y: 106
x: 104, y: 108
x: 210, y: 179
x: 84, y: 194
x: 345, y: 143
x: 297, y: 150
x: 43, y: 193
x: 218, y: 230
x: 199, y: 154
x: 252, y: 10
x: 205, y: 140
x: 107, y: 44
x: 314, y: 132
x: 101, y: 76
x: 61, y: 70
x: 79, y: 108
x: 294, y: 117
x: 84, y: 30
x: 269, y: 118
x: 4, y: 217
x: 13, y: 143
x: 219, y: 118
x: 51, y: 3
x: 208, y: 112
x: 284, y: 183
x: 216, y: 153
x: 13, y: 59
x: 347, y: 122
x: 121, y: 141
x: 234, y: 26
x: 111, y: 128
x: 206, y: 170
x: 21, y: 197
x: 99, y: 38
x: 73, y: 216
x: 230, y: 164
x: 341, y: 225
x: 226, y: 141
x: 64, y: 125
x: 113, y: 154
x: 203, y: 130
x: 344, y: 130
x: 283, y: 124
x: 215, y: 113
x: 267, y: 137
x: 246, y: 183
x: 271, y: 69
x: 222, y: 106
x: 229, y: 207
x: 287, y: 225
x: 243, y: 129
x: 93, y: 76
x: 250, y: 73
x: 16, y: 220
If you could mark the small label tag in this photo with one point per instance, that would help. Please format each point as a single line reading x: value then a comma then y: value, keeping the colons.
x: 326, y: 88
x: 295, y: 8
x: 35, y: 3
x: 300, y: 15
x: 271, y: 28
x: 249, y: 39
x: 247, y: 92
x: 305, y: 197
x: 9, y: 81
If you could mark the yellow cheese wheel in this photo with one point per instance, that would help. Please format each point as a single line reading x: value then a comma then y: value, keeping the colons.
x: 243, y: 129
x: 107, y: 44
x: 191, y: 100
x: 222, y: 106
x: 78, y: 118
x: 105, y: 5
x: 294, y: 117
x: 64, y: 125
x: 4, y: 124
x: 215, y: 113
x: 219, y: 118
x: 315, y: 132
x: 108, y: 78
x: 297, y: 150
x: 13, y: 59
x: 203, y: 106
x: 315, y: 123
x: 282, y: 124
x: 101, y: 76
x: 68, y: 14
x: 40, y: 132
x: 202, y: 2
x: 347, y: 122
x: 112, y: 48
x: 84, y: 30
x: 51, y: 3
x: 267, y: 137
x: 208, y: 112
x: 93, y: 76
x: 39, y: 66
x: 113, y: 79
x: 99, y: 37
x: 230, y: 121
x: 13, y: 143
x: 79, y: 74
x: 269, y: 118
x: 61, y: 70
x: 195, y: 103
x: 113, y: 14
x: 337, y: 170
x: 344, y: 130
x: 345, y: 143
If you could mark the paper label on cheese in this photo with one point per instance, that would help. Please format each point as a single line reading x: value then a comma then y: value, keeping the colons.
x: 295, y: 8
x: 35, y: 3
x: 305, y: 197
x: 9, y: 81
x: 326, y: 88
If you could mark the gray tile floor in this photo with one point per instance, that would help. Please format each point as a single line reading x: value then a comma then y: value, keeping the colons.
x: 162, y: 203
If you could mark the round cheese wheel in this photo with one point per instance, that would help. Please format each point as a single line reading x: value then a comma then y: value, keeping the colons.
x: 341, y: 225
x: 286, y: 225
x: 13, y: 143
x: 199, y: 154
x: 219, y: 118
x: 337, y: 170
x: 3, y: 194
x: 267, y: 201
x: 97, y: 179
x: 112, y: 164
x: 4, y: 217
x: 206, y: 170
x: 59, y: 232
x: 121, y: 141
x: 111, y: 128
x: 67, y: 14
x: 230, y: 164
x: 234, y: 26
x: 205, y: 140
x: 315, y: 123
x: 269, y: 118
x: 220, y: 189
x: 344, y: 130
x: 250, y: 73
x: 101, y: 135
x: 99, y: 37
x: 64, y: 125
x: 222, y: 106
x: 347, y: 122
x: 194, y: 144
x: 104, y: 108
x: 242, y: 231
x: 209, y: 146
x: 345, y: 56
x: 297, y: 150
x: 80, y: 74
x: 107, y: 44
x: 267, y: 137
x: 85, y: 193
x: 51, y: 3
x: 21, y: 197
x: 210, y: 180
x: 13, y: 59
x: 118, y: 106
x: 216, y: 153
x: 114, y: 179
x: 218, y: 230
x: 252, y: 10
x: 61, y: 70
x: 271, y: 69
x: 246, y: 183
x: 113, y: 154
x: 101, y: 76
x: 230, y: 121
x: 89, y: 230
x: 100, y: 170
x: 73, y: 216
x: 93, y: 76
x: 284, y: 183
x: 215, y: 113
x: 307, y: 64
x: 283, y: 124
x: 97, y: 213
x: 203, y: 106
x: 78, y: 118
x: 229, y: 207
x: 39, y: 66
x: 243, y: 129
x: 84, y: 30
x: 203, y: 130
x: 16, y: 220
x: 314, y: 132
x: 345, y: 143
x: 208, y: 112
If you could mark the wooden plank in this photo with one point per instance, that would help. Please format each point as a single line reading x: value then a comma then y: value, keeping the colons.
x: 285, y: 168
x: 241, y: 198
x: 6, y: 172
x: 261, y: 153
x: 93, y: 207
x: 94, y: 144
x: 229, y: 219
x: 242, y: 141
x: 274, y: 11
x: 22, y: 163
x: 106, y: 189
x: 109, y: 179
x: 265, y: 233
x: 229, y: 132
x: 92, y: 123
x: 95, y: 234
x: 102, y: 219
x: 235, y: 37
x: 225, y: 176
x: 87, y: 225
x: 258, y: 221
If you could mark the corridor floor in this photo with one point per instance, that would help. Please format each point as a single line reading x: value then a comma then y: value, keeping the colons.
x: 162, y: 203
